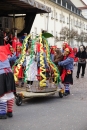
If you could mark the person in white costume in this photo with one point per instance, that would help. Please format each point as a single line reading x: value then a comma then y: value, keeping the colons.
x: 31, y: 66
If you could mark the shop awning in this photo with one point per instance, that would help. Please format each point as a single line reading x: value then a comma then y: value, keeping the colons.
x: 22, y: 7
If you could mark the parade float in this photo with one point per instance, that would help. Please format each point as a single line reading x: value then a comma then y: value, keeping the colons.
x: 45, y: 73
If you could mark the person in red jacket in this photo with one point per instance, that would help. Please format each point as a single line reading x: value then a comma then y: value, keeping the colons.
x: 67, y: 64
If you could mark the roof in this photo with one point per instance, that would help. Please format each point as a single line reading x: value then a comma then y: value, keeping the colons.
x: 83, y: 2
x: 83, y: 8
x: 22, y: 7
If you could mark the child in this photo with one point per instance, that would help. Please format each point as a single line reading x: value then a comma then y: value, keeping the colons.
x: 67, y: 72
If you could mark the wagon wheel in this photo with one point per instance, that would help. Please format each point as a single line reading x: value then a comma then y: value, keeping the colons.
x: 61, y: 93
x: 18, y: 100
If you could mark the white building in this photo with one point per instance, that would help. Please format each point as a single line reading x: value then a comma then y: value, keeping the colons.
x: 64, y: 14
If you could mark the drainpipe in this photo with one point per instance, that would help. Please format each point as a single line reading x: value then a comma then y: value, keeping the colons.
x: 48, y: 23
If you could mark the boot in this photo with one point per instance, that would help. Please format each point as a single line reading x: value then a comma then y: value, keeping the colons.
x: 67, y: 92
x: 9, y: 114
x: 3, y: 116
x: 77, y: 76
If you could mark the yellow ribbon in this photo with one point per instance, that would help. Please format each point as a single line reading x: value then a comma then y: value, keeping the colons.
x: 21, y: 59
x: 42, y: 65
x: 50, y: 62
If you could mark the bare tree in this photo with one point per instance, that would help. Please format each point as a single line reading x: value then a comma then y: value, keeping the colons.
x: 69, y: 34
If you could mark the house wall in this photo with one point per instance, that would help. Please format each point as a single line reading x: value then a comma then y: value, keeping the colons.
x: 57, y: 19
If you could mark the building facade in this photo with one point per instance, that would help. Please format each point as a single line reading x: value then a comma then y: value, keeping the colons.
x: 82, y: 5
x: 64, y: 15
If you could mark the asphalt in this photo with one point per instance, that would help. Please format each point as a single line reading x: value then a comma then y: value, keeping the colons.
x: 52, y: 113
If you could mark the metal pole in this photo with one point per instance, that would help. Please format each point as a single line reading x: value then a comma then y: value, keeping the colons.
x: 69, y: 29
x: 47, y: 22
x: 14, y: 23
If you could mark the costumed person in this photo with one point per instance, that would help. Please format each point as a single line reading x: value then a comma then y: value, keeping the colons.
x: 31, y: 69
x: 7, y: 87
x: 23, y: 37
x: 21, y: 70
x: 5, y: 39
x: 14, y: 42
x: 81, y: 54
x: 64, y: 46
x: 52, y: 51
x: 75, y: 58
x: 67, y: 63
x: 10, y: 39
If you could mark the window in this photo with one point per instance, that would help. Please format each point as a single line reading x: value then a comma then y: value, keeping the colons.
x: 52, y: 15
x: 71, y: 21
x: 74, y: 10
x: 64, y: 3
x: 86, y: 27
x: 59, y: 1
x: 41, y: 14
x: 52, y: 32
x: 6, y: 23
x: 61, y: 17
x: 35, y: 30
x: 77, y: 11
x: 67, y: 20
x: 77, y: 23
x: 0, y: 22
x: 68, y: 6
x: 56, y: 16
x: 56, y: 34
x: 80, y: 24
x: 54, y: 0
x: 47, y: 15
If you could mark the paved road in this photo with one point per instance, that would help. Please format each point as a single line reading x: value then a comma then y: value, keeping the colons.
x: 52, y: 113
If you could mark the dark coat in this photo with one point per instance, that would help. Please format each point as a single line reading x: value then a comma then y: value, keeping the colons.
x: 57, y: 58
x: 82, y: 56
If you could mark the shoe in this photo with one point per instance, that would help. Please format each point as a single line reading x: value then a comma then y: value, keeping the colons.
x: 28, y: 86
x: 3, y: 116
x: 82, y: 76
x: 77, y: 77
x: 67, y: 92
x: 22, y: 85
x: 9, y: 114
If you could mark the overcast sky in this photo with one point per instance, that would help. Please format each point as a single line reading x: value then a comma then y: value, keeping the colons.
x: 85, y: 1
